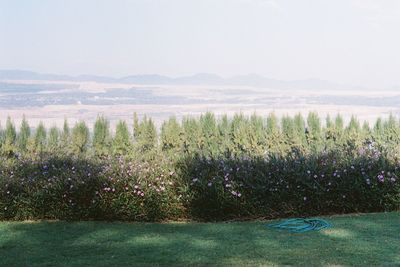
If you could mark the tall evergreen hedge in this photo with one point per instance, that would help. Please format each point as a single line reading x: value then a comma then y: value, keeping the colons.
x: 206, y: 168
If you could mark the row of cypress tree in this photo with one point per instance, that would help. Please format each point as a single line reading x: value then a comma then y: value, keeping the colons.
x: 206, y: 135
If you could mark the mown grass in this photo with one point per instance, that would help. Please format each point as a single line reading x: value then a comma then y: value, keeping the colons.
x: 354, y: 240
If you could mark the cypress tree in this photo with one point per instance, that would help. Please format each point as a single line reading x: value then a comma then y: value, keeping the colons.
x: 339, y: 124
x: 224, y: 140
x: 80, y: 138
x: 65, y: 139
x: 240, y: 135
x: 23, y: 136
x: 257, y: 136
x: 314, y: 133
x: 331, y: 134
x: 171, y: 135
x: 391, y: 130
x: 209, y: 134
x: 53, y: 141
x: 40, y: 138
x: 121, y: 142
x: 353, y: 136
x: 300, y: 130
x: 378, y: 131
x: 273, y: 135
x: 146, y: 135
x: 10, y: 136
x: 101, y: 136
x: 191, y: 137
x: 291, y: 138
x: 366, y: 129
x: 354, y: 125
x: 136, y: 126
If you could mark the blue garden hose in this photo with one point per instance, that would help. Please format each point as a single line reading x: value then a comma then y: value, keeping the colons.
x: 301, y: 225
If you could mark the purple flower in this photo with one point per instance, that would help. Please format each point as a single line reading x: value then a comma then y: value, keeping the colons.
x: 381, y: 178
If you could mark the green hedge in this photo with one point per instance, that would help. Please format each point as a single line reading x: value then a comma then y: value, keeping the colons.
x: 204, y: 168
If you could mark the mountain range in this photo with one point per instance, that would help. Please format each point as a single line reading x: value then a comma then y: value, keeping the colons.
x: 196, y: 79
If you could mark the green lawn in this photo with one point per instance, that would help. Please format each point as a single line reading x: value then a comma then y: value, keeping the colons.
x: 363, y: 240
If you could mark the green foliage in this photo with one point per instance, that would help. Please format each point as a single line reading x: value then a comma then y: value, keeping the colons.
x: 171, y: 136
x: 54, y: 140
x: 23, y: 136
x: 225, y: 143
x: 145, y: 134
x: 79, y: 138
x: 101, y: 136
x: 10, y: 135
x: 40, y: 138
x: 300, y: 132
x: 203, y: 168
x: 209, y: 131
x: 239, y: 135
x: 65, y: 139
x: 122, y: 143
x: 191, y: 136
x: 274, y: 136
x: 314, y: 131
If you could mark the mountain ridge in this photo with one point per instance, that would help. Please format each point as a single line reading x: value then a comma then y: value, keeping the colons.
x: 195, y: 79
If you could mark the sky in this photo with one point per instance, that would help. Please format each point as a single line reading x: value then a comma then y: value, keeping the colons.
x: 353, y: 42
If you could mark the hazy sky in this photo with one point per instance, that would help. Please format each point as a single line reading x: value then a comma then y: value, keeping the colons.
x: 347, y: 41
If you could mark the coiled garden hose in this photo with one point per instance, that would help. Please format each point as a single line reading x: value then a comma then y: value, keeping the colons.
x: 301, y: 225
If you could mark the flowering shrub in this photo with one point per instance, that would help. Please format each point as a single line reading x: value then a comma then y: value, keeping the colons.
x: 77, y: 189
x: 201, y: 169
x: 223, y: 189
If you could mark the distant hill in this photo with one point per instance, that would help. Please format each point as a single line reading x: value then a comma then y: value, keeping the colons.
x: 196, y: 79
